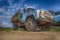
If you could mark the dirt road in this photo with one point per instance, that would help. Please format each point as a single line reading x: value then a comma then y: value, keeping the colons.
x: 18, y: 35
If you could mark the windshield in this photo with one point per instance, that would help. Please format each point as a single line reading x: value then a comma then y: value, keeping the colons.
x: 30, y: 10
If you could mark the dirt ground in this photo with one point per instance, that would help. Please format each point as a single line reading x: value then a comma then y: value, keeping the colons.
x: 22, y: 35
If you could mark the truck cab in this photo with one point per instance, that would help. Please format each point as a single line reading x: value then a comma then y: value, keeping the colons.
x: 29, y: 12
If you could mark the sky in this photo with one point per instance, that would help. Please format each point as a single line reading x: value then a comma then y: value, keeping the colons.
x: 9, y: 7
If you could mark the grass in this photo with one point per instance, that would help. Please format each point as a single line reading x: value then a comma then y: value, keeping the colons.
x: 10, y: 29
x: 53, y: 28
x: 6, y: 29
x: 21, y: 29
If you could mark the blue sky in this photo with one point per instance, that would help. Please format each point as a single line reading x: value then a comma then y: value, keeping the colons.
x: 9, y: 7
x: 41, y: 4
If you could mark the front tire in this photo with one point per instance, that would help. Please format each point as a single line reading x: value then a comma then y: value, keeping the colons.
x: 30, y: 24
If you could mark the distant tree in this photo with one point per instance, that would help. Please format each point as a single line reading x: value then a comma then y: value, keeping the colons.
x: 57, y: 13
x: 52, y: 12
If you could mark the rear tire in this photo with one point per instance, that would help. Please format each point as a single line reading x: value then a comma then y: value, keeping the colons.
x: 31, y: 24
x: 46, y: 28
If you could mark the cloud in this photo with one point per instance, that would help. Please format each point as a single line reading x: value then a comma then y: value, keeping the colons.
x: 6, y: 24
x: 2, y: 9
x: 5, y: 16
x: 0, y: 0
x: 56, y: 6
x: 10, y: 2
x: 11, y: 9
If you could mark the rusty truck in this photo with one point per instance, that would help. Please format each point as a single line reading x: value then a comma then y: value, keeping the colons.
x: 32, y: 19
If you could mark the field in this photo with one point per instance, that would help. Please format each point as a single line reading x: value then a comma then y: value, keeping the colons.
x: 23, y: 35
x: 20, y: 34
